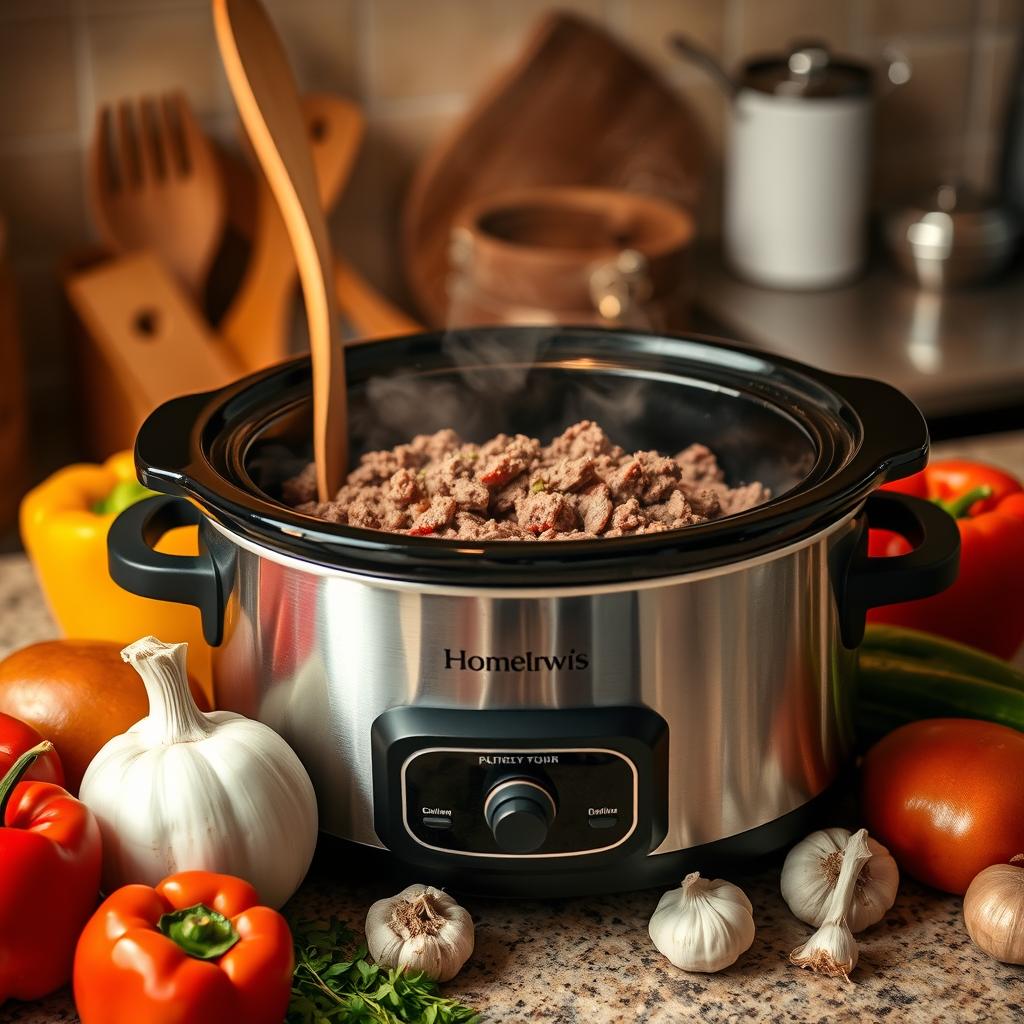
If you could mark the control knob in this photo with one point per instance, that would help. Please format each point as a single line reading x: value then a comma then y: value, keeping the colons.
x: 519, y: 813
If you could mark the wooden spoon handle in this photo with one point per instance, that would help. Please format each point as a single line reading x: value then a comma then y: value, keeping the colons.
x: 268, y: 104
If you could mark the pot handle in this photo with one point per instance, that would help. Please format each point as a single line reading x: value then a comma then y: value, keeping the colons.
x: 894, y: 433
x: 204, y: 580
x: 163, y: 441
x: 868, y: 582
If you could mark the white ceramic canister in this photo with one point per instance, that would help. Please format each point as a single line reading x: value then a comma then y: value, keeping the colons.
x: 798, y: 170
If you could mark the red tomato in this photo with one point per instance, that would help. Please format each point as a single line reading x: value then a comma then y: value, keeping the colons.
x: 15, y: 738
x: 946, y: 796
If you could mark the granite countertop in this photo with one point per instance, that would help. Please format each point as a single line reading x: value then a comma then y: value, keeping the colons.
x: 590, y: 960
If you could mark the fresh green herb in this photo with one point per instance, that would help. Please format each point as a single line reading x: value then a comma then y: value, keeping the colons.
x: 538, y: 485
x: 336, y: 983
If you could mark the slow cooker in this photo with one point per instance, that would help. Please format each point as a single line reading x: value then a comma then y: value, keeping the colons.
x: 548, y: 718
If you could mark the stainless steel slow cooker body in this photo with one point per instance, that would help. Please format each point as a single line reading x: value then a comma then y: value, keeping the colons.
x: 564, y: 717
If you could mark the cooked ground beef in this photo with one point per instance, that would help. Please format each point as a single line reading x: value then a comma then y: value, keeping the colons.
x: 581, y: 486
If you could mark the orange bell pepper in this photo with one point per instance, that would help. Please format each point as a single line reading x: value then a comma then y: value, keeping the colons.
x: 66, y: 538
x: 197, y: 948
x: 51, y: 852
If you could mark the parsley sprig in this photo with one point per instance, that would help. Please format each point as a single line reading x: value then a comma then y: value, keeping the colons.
x: 336, y: 983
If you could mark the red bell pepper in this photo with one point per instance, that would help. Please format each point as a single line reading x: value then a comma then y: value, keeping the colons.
x: 16, y: 737
x: 985, y: 606
x: 50, y: 852
x: 197, y: 948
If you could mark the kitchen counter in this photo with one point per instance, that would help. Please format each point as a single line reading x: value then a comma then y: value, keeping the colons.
x: 590, y: 959
x: 954, y: 353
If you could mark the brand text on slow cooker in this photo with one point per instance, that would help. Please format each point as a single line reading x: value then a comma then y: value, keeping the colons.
x: 528, y: 662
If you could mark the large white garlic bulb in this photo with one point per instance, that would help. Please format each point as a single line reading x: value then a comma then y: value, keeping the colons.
x: 182, y: 790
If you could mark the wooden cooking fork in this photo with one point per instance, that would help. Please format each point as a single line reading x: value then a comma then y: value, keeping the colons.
x: 155, y: 182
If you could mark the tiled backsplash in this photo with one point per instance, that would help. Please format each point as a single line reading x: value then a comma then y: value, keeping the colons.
x: 413, y: 65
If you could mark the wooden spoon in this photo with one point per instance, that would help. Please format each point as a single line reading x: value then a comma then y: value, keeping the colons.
x: 268, y: 103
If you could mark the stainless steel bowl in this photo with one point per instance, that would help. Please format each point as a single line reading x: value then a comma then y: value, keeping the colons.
x: 954, y: 236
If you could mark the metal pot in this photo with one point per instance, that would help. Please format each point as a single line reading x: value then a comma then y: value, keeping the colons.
x: 559, y: 717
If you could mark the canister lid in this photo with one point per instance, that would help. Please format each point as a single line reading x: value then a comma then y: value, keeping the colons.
x: 808, y: 71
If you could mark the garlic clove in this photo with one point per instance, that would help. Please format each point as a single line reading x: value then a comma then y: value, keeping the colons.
x: 421, y: 929
x: 832, y: 949
x: 876, y: 888
x: 704, y: 925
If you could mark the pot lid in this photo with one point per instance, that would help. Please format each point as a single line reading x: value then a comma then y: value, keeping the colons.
x: 808, y: 71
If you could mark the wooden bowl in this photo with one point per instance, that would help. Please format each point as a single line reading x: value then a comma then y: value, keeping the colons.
x: 571, y: 255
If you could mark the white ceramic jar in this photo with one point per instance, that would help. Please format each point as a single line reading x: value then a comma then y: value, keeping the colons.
x: 798, y: 171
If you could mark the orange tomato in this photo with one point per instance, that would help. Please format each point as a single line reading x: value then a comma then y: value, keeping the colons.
x: 77, y: 694
x: 946, y: 796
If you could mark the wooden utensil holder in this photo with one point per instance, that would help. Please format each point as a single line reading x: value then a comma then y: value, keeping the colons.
x: 140, y: 341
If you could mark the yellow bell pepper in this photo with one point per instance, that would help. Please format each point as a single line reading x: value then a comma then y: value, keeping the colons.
x: 66, y: 538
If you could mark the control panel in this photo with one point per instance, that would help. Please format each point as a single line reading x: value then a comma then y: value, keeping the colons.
x: 519, y: 785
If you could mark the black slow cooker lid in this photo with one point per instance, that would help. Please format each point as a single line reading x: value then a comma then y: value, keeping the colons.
x: 822, y: 442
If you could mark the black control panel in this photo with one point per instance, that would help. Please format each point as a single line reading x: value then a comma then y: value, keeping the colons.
x: 519, y: 785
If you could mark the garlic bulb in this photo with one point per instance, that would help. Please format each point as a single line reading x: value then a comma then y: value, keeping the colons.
x: 832, y: 949
x: 422, y: 929
x: 182, y: 790
x: 703, y: 925
x: 994, y: 911
x: 811, y: 872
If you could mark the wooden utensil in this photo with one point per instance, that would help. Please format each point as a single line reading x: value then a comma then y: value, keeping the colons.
x: 256, y: 323
x: 154, y: 182
x: 575, y: 109
x: 268, y: 102
x: 147, y: 343
x: 261, y: 312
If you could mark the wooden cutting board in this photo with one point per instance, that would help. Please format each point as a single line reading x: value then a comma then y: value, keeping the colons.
x: 576, y: 108
x: 145, y: 343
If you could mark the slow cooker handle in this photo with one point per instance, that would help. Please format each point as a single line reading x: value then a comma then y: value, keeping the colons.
x: 928, y: 569
x: 202, y: 580
x: 894, y: 432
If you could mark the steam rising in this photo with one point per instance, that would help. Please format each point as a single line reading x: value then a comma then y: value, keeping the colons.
x: 496, y: 385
